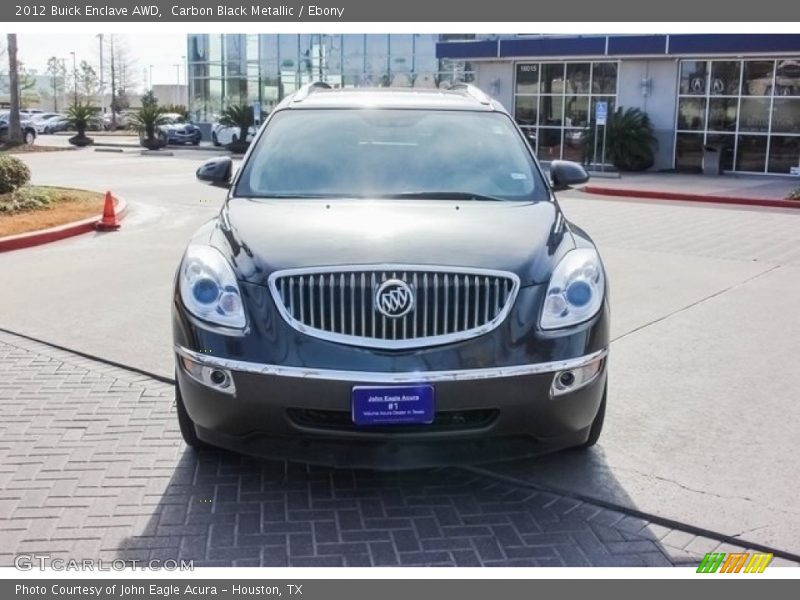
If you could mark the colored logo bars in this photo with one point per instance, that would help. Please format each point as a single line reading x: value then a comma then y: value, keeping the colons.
x: 721, y: 562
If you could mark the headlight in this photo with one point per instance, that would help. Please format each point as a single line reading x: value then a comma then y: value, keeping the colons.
x: 208, y: 287
x: 576, y: 289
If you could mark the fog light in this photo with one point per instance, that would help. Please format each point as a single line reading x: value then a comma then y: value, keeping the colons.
x: 213, y: 377
x: 565, y: 382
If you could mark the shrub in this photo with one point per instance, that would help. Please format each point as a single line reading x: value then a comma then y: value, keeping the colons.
x: 240, y: 116
x: 146, y: 121
x: 13, y: 173
x: 25, y: 198
x: 629, y: 140
x: 795, y: 195
x: 179, y: 109
x: 82, y: 117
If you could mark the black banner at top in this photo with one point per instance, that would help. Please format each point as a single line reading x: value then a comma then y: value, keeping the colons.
x: 204, y: 11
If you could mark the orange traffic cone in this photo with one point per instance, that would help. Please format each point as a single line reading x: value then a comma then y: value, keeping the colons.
x: 109, y: 220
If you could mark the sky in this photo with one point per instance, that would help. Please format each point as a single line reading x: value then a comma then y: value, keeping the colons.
x: 162, y: 51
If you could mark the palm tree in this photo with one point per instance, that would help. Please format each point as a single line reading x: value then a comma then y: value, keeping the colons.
x: 630, y: 142
x: 81, y: 117
x: 241, y: 116
x: 146, y: 121
x: 14, y: 129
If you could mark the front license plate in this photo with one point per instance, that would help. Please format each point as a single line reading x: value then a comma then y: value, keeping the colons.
x: 376, y: 405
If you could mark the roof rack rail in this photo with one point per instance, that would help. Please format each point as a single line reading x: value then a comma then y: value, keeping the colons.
x: 471, y: 90
x: 308, y: 89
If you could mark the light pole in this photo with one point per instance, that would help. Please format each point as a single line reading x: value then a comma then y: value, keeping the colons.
x: 178, y: 73
x: 150, y: 76
x: 74, y: 78
x: 102, y: 83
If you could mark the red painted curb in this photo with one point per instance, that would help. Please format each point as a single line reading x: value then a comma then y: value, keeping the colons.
x: 657, y: 195
x: 45, y: 236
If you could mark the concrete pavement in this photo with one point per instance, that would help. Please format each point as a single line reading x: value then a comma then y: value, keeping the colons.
x: 701, y: 407
x: 93, y: 467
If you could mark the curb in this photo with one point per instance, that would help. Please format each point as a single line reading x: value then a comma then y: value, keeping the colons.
x: 45, y: 236
x: 659, y: 195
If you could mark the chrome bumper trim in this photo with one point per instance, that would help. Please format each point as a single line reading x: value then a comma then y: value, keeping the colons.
x: 391, y: 377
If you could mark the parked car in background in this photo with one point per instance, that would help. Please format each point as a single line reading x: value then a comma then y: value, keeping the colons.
x: 29, y: 113
x: 28, y: 130
x: 390, y: 283
x: 39, y: 119
x: 222, y: 135
x: 122, y: 121
x: 53, y: 125
x: 179, y: 130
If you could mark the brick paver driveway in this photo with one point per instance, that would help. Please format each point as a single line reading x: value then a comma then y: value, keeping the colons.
x: 92, y: 466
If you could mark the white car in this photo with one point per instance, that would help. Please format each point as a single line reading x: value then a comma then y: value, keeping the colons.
x: 40, y: 120
x: 222, y: 135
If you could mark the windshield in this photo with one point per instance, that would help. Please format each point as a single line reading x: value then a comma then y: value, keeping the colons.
x: 379, y: 153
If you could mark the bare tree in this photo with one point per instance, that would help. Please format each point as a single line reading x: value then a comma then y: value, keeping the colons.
x: 122, y: 68
x: 14, y: 130
x: 58, y: 75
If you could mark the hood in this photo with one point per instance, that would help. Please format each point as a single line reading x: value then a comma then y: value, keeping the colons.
x: 262, y: 236
x: 179, y: 127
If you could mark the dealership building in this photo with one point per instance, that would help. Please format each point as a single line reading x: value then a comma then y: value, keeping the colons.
x: 736, y: 93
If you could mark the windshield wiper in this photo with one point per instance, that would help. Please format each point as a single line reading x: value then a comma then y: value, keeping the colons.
x: 442, y: 196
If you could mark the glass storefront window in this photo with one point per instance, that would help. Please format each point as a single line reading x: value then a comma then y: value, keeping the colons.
x: 784, y: 153
x: 786, y: 115
x: 726, y: 144
x: 787, y: 78
x: 750, y: 109
x: 549, y: 144
x: 576, y: 111
x: 551, y: 110
x: 604, y: 78
x: 560, y: 98
x: 553, y: 78
x: 751, y: 153
x: 725, y: 78
x: 722, y: 114
x: 228, y: 68
x: 578, y: 78
x: 694, y: 77
x: 757, y: 79
x: 689, y: 152
x: 528, y: 79
x: 754, y: 115
x: 573, y: 149
x: 691, y: 114
x: 526, y: 110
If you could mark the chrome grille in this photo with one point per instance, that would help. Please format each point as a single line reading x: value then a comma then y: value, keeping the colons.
x: 338, y: 303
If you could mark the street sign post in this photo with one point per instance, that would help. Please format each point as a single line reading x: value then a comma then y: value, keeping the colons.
x: 601, y: 118
x: 601, y: 112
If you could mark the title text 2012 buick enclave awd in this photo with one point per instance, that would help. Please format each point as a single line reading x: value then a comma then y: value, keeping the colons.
x: 390, y: 283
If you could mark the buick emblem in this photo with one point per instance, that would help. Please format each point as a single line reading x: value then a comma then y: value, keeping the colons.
x: 394, y: 298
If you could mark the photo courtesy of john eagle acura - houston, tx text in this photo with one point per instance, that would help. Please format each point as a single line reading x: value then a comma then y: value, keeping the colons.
x: 390, y: 283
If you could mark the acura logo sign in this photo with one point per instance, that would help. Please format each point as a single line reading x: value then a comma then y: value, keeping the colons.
x: 394, y: 298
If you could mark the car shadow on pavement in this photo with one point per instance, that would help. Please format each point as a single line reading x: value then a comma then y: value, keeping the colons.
x: 223, y: 509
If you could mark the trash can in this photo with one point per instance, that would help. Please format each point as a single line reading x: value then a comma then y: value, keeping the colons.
x: 711, y: 160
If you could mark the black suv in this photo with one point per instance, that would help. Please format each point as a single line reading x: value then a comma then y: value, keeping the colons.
x: 390, y: 283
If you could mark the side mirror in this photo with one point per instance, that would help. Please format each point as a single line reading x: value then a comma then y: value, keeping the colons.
x: 216, y: 171
x: 565, y: 174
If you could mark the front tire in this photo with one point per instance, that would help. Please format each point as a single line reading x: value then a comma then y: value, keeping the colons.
x: 186, y: 425
x: 214, y: 139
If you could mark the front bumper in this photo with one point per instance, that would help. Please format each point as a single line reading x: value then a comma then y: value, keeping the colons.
x: 298, y: 413
x: 183, y: 138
